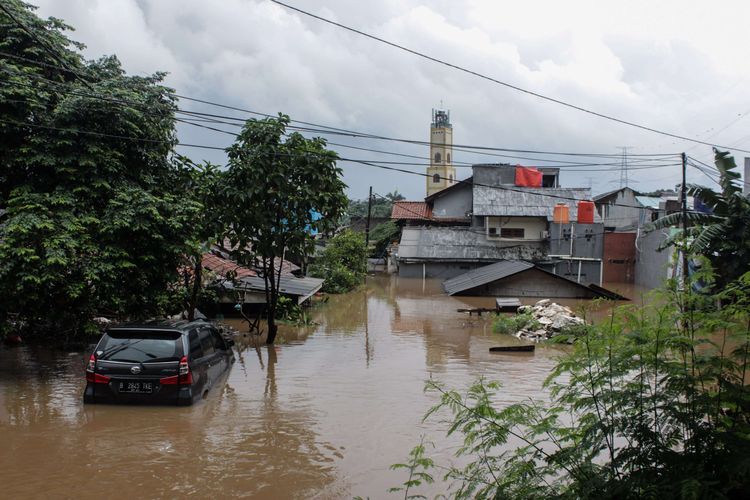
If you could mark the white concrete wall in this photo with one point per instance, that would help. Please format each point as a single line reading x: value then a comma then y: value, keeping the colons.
x: 534, y: 227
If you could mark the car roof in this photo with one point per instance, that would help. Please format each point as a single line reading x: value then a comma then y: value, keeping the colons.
x: 180, y: 325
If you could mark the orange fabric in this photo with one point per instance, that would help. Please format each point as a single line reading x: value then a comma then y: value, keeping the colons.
x: 528, y: 177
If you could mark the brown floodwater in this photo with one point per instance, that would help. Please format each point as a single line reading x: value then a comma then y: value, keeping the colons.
x: 321, y: 415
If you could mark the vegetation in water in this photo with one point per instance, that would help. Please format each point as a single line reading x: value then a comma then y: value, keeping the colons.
x: 513, y: 323
x: 343, y: 264
x: 288, y: 311
x: 99, y: 215
x: 278, y: 190
x: 654, y: 402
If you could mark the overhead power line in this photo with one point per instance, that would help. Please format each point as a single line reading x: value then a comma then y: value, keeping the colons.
x: 350, y: 160
x: 475, y: 149
x: 496, y: 81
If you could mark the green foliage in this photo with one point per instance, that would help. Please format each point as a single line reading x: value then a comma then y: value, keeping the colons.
x: 381, y: 206
x: 274, y: 184
x: 201, y: 183
x: 289, y: 311
x: 343, y: 264
x: 417, y: 466
x: 91, y: 223
x: 723, y: 235
x: 511, y: 324
x: 651, y: 403
x: 382, y: 235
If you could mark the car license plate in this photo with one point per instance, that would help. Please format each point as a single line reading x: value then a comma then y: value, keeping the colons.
x: 137, y: 387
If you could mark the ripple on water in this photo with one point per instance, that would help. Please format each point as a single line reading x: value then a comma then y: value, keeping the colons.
x: 323, y: 416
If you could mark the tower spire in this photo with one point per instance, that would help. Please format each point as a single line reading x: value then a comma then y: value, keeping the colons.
x: 441, y: 173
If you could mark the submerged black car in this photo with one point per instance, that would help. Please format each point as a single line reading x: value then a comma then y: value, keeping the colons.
x: 173, y: 363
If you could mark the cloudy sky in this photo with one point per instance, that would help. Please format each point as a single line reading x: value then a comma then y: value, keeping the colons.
x: 679, y: 66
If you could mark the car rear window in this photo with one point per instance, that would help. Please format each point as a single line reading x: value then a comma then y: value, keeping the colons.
x: 140, y: 346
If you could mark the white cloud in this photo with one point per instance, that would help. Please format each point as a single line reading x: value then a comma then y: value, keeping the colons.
x: 673, y: 65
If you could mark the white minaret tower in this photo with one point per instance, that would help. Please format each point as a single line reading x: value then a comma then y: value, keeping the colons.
x: 441, y: 173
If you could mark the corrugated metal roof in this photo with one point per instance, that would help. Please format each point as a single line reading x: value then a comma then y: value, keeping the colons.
x: 461, y: 244
x: 526, y: 202
x: 604, y: 196
x: 410, y: 210
x: 288, y: 285
x: 485, y: 275
x: 459, y: 184
x: 649, y: 201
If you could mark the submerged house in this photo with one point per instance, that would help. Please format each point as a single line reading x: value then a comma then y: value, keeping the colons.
x: 240, y: 284
x: 503, y: 212
x: 517, y: 278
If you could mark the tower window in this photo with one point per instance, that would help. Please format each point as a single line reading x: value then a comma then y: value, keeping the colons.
x: 437, y: 157
x: 447, y: 158
x: 436, y: 179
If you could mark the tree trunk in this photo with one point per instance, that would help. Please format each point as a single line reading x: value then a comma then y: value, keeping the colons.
x: 272, y: 329
x: 197, y: 271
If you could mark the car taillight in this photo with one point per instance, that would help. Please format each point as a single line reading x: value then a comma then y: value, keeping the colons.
x: 184, y: 377
x: 95, y: 378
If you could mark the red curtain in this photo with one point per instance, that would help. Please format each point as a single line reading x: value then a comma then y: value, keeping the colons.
x: 528, y: 177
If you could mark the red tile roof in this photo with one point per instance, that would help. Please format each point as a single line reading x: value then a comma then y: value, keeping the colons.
x: 223, y: 266
x: 411, y: 210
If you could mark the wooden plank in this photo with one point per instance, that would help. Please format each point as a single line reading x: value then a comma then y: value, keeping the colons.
x: 507, y: 305
x: 514, y: 348
x: 476, y: 310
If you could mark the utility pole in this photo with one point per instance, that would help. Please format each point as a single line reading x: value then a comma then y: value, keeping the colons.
x: 367, y: 226
x: 683, y: 194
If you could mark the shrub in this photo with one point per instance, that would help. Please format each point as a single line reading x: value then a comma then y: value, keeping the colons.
x: 514, y: 323
x: 343, y: 264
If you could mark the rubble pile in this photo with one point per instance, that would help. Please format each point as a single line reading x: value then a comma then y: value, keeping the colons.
x: 549, y: 318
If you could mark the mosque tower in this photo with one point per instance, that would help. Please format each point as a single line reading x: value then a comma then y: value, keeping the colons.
x: 441, y: 173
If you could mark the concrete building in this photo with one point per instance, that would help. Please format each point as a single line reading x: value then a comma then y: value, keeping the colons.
x: 488, y: 218
x: 625, y: 209
x: 441, y: 173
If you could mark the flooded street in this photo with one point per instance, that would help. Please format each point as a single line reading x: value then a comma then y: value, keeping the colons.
x: 322, y: 415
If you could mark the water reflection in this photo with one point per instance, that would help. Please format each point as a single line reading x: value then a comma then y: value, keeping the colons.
x: 324, y: 414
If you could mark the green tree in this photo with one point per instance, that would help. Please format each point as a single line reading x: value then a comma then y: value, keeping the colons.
x: 381, y: 205
x: 343, y: 264
x: 92, y: 220
x: 201, y: 182
x: 275, y: 184
x: 722, y: 235
x: 382, y: 236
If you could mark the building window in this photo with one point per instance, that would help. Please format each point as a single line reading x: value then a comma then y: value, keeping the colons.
x: 512, y: 232
x: 447, y: 158
x: 437, y: 157
x: 436, y: 178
